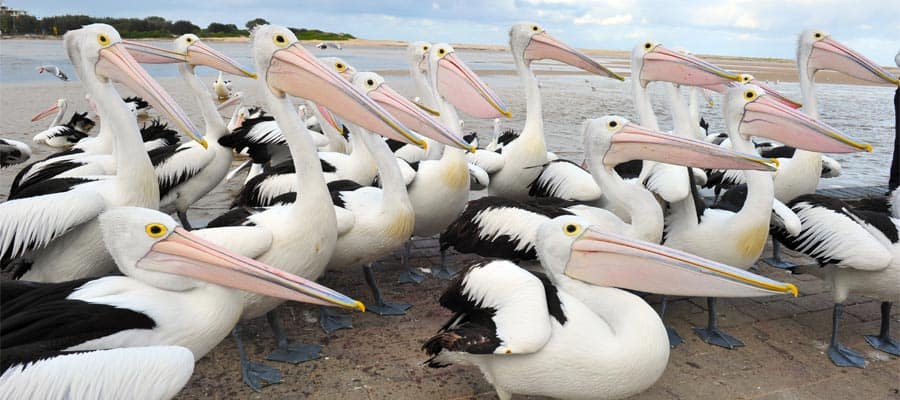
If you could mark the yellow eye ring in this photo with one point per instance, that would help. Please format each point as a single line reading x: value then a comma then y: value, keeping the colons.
x: 535, y: 28
x: 425, y: 48
x: 189, y: 40
x: 750, y: 95
x: 370, y: 82
x: 340, y: 67
x: 572, y: 229
x: 103, y: 39
x: 818, y: 35
x: 441, y: 52
x: 280, y: 40
x: 612, y: 124
x: 648, y: 46
x: 155, y: 230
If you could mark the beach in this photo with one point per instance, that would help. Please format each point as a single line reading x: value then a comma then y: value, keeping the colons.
x: 381, y: 358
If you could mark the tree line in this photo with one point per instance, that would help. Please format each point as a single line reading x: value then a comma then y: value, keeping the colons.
x: 149, y: 27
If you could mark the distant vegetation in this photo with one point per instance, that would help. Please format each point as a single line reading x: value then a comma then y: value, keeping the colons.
x: 149, y: 27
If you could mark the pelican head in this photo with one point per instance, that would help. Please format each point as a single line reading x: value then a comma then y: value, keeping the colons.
x: 407, y: 112
x: 149, y: 246
x: 752, y: 111
x: 570, y: 247
x: 286, y: 68
x: 617, y: 140
x: 816, y: 51
x: 460, y: 86
x: 99, y: 56
x: 60, y: 104
x: 651, y: 61
x: 529, y: 42
x: 340, y: 66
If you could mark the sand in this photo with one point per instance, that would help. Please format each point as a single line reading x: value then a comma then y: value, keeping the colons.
x: 381, y: 359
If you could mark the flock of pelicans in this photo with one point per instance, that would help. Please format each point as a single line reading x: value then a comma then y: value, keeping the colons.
x: 106, y: 296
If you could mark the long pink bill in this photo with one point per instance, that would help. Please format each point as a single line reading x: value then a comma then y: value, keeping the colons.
x: 768, y: 117
x: 829, y: 54
x: 544, y: 46
x: 201, y: 54
x: 414, y: 117
x: 466, y: 91
x: 294, y: 71
x: 148, y: 54
x: 634, y: 142
x: 117, y: 64
x: 662, y: 64
x: 611, y: 260
x: 187, y: 255
x: 46, y: 113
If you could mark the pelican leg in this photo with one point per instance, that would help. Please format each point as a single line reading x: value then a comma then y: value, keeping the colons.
x: 287, y: 353
x: 182, y: 216
x: 254, y: 375
x: 712, y: 334
x: 331, y: 320
x: 884, y: 341
x: 775, y: 261
x: 443, y: 271
x: 841, y: 355
x: 410, y: 274
x: 674, y: 338
x: 380, y: 306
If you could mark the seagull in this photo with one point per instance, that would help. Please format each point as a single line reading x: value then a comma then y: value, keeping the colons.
x: 53, y: 70
x: 325, y: 45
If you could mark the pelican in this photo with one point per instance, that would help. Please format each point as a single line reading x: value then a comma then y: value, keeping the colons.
x: 325, y: 45
x: 495, y: 227
x: 152, y: 372
x: 298, y: 238
x: 59, y: 134
x: 53, y: 224
x: 738, y: 238
x: 222, y: 88
x: 576, y: 334
x: 178, y: 290
x: 529, y: 42
x: 53, y: 70
x: 13, y: 152
x: 189, y: 171
x: 440, y: 189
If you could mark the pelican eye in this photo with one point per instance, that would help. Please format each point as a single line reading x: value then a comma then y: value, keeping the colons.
x: 648, y: 45
x: 818, y: 35
x: 613, y: 124
x: 340, y: 67
x: 370, y: 82
x: 155, y: 230
x: 441, y: 52
x: 103, y: 39
x: 749, y: 95
x: 280, y: 40
x: 189, y: 40
x: 535, y: 28
x: 425, y: 48
x: 572, y: 229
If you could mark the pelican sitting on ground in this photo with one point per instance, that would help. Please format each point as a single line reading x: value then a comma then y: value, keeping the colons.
x: 524, y: 157
x: 13, y: 152
x: 325, y: 45
x: 738, y: 237
x: 53, y: 224
x: 177, y: 290
x: 59, y: 134
x: 577, y: 334
x: 222, y: 88
x: 53, y: 70
x: 300, y: 237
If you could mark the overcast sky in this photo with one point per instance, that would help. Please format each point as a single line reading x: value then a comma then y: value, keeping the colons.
x: 766, y: 28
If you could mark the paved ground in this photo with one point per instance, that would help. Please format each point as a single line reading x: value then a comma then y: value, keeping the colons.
x: 381, y: 358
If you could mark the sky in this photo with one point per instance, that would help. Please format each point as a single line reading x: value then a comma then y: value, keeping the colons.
x: 760, y: 28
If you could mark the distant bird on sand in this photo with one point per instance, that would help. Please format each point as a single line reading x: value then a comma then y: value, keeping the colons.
x: 325, y: 45
x: 53, y: 70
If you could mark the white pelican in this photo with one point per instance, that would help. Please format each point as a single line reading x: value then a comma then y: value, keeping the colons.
x: 13, y: 152
x: 53, y: 224
x: 189, y: 171
x: 738, y: 238
x: 298, y: 238
x: 577, y: 335
x: 859, y: 254
x: 53, y: 70
x: 59, y: 134
x: 524, y: 156
x: 177, y: 290
x: 494, y: 227
x: 325, y: 45
x: 440, y: 189
x: 222, y: 87
x: 152, y: 373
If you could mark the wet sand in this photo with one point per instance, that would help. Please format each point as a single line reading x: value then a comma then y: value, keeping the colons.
x: 381, y: 358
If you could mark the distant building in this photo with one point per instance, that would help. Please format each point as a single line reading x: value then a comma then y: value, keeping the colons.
x: 4, y: 10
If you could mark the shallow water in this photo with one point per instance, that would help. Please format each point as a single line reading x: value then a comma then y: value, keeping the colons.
x: 864, y: 112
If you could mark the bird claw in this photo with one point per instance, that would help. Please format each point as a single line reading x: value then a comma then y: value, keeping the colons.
x: 717, y: 337
x: 256, y: 375
x: 411, y: 275
x: 331, y: 321
x: 388, y: 308
x: 295, y: 354
x: 843, y: 356
x: 885, y: 344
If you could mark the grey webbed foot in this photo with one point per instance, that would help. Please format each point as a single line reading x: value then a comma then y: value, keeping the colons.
x: 886, y: 344
x: 674, y: 338
x: 380, y: 306
x: 331, y: 321
x: 712, y: 334
x: 256, y: 375
x: 411, y: 275
x: 295, y: 354
x: 842, y: 356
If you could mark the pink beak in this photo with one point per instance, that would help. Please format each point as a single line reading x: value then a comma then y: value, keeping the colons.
x: 187, y: 255
x: 415, y: 118
x: 634, y: 142
x: 662, y: 64
x: 201, y: 54
x: 44, y: 114
x: 544, y: 46
x: 467, y: 91
x: 611, y: 260
x: 829, y: 54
